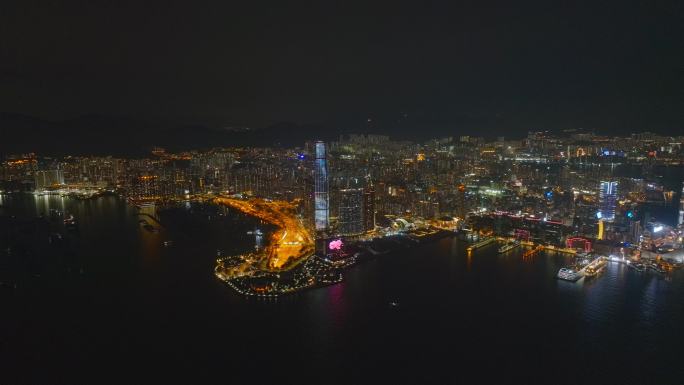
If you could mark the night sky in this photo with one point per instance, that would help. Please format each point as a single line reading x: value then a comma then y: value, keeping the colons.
x: 443, y: 67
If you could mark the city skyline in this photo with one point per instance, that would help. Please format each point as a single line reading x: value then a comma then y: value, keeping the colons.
x: 360, y: 228
x: 332, y: 192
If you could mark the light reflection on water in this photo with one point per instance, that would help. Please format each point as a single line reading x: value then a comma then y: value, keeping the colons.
x: 508, y: 311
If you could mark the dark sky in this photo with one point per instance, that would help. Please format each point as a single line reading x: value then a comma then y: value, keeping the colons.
x: 507, y: 66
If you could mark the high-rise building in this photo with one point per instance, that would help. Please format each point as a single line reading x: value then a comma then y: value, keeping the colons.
x: 351, y: 220
x: 635, y: 231
x: 369, y: 206
x: 460, y: 202
x: 607, y: 200
x: 681, y: 206
x: 321, y: 201
x: 49, y: 178
x: 145, y: 187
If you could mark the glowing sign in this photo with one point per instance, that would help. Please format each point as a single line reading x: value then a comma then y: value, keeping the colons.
x: 335, y: 244
x: 599, y: 215
x: 657, y: 229
x: 570, y: 242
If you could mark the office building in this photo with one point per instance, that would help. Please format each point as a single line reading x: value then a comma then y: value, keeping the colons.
x: 607, y: 200
x: 321, y: 200
x: 351, y: 219
x: 369, y: 206
x: 681, y: 206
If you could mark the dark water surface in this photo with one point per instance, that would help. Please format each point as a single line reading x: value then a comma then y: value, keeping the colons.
x: 113, y: 305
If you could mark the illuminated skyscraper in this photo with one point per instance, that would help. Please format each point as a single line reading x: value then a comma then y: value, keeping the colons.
x: 681, y: 206
x: 635, y: 231
x: 607, y: 201
x: 321, y: 201
x: 369, y: 206
x: 460, y: 202
x: 350, y: 220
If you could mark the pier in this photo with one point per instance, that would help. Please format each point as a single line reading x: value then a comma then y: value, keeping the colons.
x: 481, y: 243
x: 532, y: 252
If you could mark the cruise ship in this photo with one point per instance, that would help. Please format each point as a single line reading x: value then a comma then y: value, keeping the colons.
x: 567, y: 274
x: 509, y: 246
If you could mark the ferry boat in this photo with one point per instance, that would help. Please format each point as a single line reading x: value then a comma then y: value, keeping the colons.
x: 508, y: 246
x: 568, y: 274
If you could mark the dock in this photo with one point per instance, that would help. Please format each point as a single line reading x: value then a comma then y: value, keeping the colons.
x: 481, y: 243
x: 532, y: 252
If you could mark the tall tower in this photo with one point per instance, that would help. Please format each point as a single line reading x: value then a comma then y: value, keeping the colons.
x: 681, y: 206
x: 460, y: 202
x: 321, y: 201
x: 607, y: 200
x: 369, y: 206
x: 350, y: 219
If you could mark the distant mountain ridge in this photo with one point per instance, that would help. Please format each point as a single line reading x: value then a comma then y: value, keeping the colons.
x: 122, y: 136
x: 96, y: 134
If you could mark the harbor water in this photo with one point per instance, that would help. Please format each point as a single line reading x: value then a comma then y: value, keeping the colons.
x: 110, y: 302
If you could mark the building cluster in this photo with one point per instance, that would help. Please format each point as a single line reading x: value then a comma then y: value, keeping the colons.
x: 545, y: 186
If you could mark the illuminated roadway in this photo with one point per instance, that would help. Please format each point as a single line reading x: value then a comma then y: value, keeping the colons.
x: 289, y: 245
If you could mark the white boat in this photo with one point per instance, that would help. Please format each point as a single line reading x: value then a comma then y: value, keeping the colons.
x: 567, y: 274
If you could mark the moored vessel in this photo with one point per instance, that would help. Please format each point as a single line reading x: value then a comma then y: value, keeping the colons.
x: 568, y: 274
x: 509, y: 246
